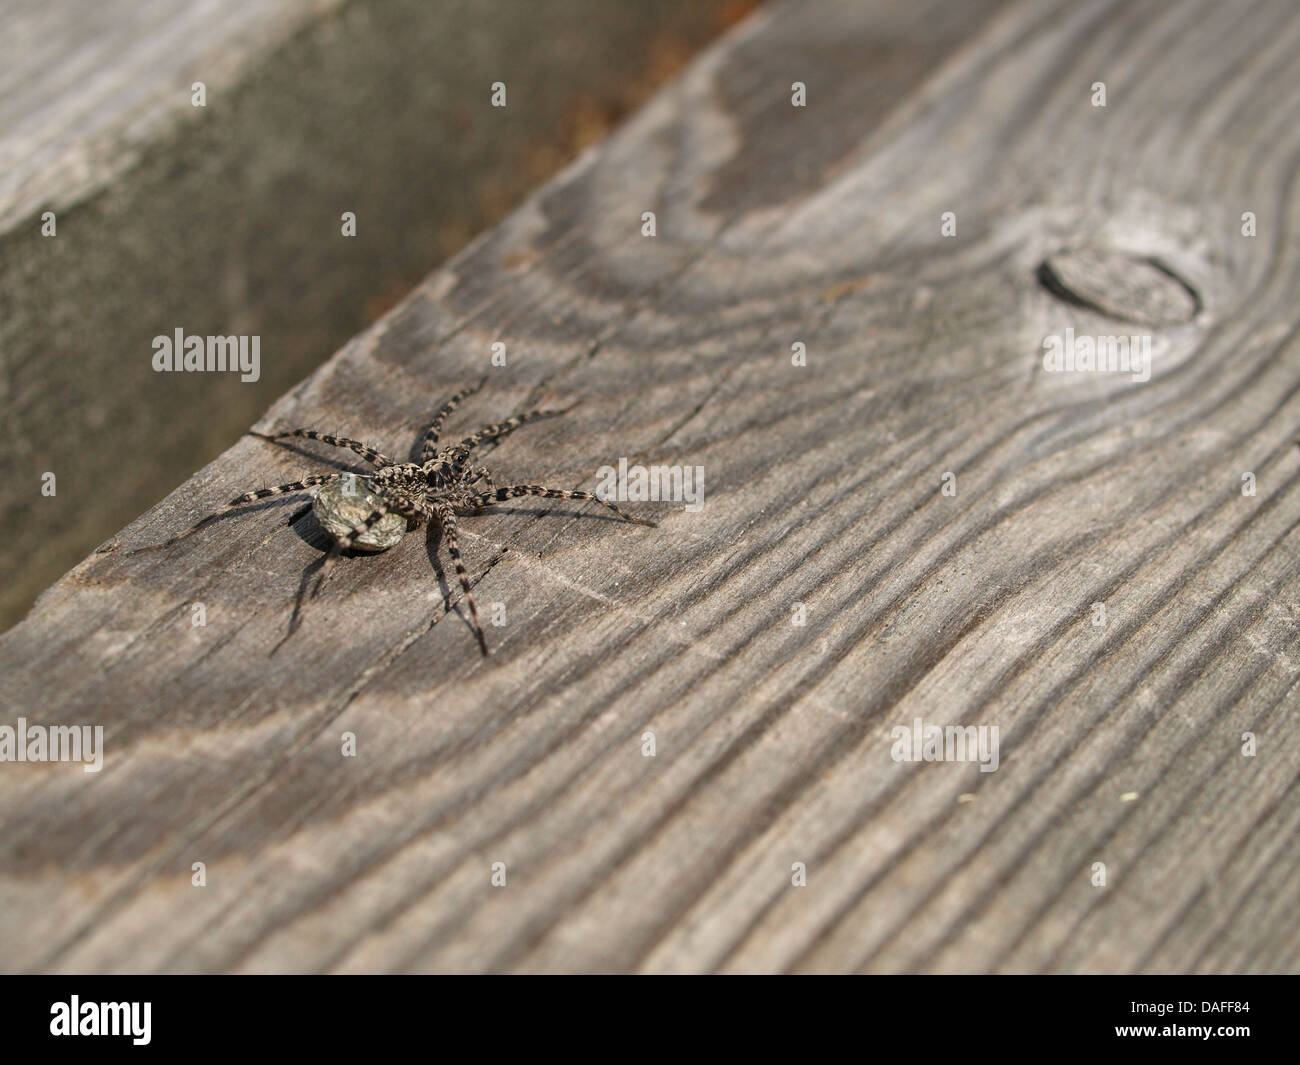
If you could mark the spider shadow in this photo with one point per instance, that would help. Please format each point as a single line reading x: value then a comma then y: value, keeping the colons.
x: 310, y: 533
x: 342, y: 465
x: 432, y: 542
x: 211, y: 521
x: 568, y: 512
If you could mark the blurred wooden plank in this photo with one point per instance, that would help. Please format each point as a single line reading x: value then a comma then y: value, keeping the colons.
x: 85, y: 87
x: 1120, y: 743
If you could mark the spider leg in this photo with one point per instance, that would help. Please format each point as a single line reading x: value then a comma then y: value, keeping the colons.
x: 499, y: 429
x: 431, y: 436
x: 344, y: 542
x: 447, y: 518
x: 375, y: 458
x: 247, y: 497
x: 483, y: 500
x: 479, y: 473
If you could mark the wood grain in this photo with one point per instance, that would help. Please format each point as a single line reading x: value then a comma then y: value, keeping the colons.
x: 1121, y: 743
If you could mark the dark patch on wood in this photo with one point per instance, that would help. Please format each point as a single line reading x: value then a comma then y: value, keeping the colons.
x: 786, y: 151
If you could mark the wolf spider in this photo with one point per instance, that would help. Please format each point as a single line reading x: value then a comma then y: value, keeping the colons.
x: 442, y: 483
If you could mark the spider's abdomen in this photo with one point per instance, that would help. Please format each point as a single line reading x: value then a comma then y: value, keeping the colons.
x: 341, y: 505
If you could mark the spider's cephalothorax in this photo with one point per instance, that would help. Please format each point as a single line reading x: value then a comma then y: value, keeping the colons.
x: 372, y: 512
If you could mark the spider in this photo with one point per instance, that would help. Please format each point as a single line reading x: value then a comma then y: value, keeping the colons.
x: 406, y: 493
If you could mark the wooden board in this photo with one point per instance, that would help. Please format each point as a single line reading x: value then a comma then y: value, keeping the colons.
x: 1120, y: 743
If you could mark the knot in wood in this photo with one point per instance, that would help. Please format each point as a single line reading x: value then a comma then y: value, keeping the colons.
x: 1130, y: 288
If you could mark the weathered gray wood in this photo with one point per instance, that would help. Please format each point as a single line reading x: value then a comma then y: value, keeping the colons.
x: 1121, y: 743
x: 227, y: 219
